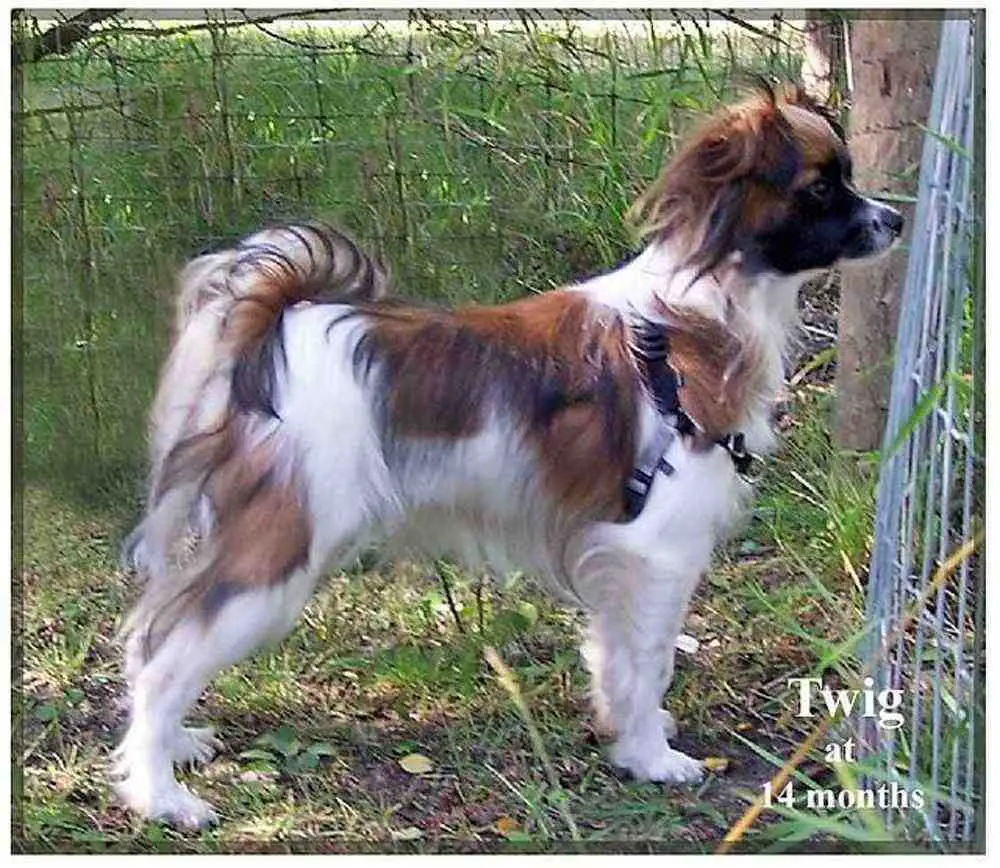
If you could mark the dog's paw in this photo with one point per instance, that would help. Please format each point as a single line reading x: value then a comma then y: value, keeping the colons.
x: 195, y: 745
x: 663, y: 764
x: 186, y: 811
x: 175, y: 805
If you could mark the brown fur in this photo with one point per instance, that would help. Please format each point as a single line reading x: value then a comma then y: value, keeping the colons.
x: 262, y: 529
x: 565, y: 375
x: 735, y: 174
x: 716, y: 369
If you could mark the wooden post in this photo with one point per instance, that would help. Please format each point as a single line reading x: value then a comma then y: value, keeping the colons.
x: 893, y: 61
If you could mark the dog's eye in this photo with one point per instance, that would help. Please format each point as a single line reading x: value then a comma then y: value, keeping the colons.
x: 820, y: 189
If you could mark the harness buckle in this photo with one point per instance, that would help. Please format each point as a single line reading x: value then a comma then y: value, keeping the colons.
x: 640, y: 480
x: 743, y: 460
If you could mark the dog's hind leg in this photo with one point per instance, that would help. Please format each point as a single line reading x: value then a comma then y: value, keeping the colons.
x: 164, y: 686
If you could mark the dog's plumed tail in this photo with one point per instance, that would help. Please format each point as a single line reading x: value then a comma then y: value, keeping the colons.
x: 215, y: 468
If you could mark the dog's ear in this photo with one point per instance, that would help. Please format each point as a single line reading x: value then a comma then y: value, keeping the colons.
x: 699, y: 200
x: 796, y: 94
x: 754, y: 143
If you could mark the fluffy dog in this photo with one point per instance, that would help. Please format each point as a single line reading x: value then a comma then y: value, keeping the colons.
x: 594, y: 436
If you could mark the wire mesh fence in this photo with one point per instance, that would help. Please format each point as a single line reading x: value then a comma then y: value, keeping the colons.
x: 930, y: 496
x: 484, y: 158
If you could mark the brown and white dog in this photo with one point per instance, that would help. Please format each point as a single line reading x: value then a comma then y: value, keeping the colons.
x: 591, y: 436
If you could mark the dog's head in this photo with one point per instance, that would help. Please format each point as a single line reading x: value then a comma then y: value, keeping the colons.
x: 767, y: 184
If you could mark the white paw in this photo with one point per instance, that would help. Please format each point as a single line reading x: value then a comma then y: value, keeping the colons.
x: 174, y: 804
x: 669, y: 724
x: 194, y: 745
x: 663, y: 764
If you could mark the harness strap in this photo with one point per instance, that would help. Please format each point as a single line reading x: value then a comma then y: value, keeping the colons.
x: 640, y: 480
x: 651, y: 348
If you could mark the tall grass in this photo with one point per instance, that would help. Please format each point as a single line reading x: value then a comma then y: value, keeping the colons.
x: 484, y: 160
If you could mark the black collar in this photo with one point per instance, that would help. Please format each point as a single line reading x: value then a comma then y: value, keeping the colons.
x: 651, y: 349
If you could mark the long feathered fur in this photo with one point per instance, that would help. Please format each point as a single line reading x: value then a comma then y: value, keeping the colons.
x: 218, y: 381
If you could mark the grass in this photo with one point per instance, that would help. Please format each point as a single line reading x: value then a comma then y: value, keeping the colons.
x: 380, y: 668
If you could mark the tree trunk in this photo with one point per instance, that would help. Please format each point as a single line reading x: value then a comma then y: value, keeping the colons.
x: 824, y: 62
x: 893, y: 64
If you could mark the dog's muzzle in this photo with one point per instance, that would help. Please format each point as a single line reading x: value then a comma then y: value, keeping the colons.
x: 885, y: 220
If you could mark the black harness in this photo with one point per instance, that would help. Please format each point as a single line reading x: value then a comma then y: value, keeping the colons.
x: 651, y: 347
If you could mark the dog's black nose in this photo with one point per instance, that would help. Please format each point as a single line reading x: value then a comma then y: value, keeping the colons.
x: 891, y: 219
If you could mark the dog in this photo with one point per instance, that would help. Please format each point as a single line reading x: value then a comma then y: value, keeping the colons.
x: 596, y: 436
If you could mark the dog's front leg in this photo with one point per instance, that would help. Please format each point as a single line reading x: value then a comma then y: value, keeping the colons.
x: 630, y: 653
